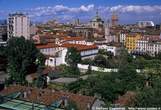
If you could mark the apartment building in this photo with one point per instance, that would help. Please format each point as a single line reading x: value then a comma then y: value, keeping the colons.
x: 18, y: 25
x: 149, y: 44
x: 131, y: 40
x: 56, y: 52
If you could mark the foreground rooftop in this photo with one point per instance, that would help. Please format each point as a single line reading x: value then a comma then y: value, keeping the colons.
x: 18, y: 97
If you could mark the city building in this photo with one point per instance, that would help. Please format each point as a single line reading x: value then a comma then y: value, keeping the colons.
x: 149, y: 45
x: 143, y: 24
x: 3, y: 32
x: 114, y: 19
x: 115, y: 49
x: 131, y: 41
x: 122, y: 38
x: 48, y: 49
x: 18, y: 25
x: 33, y: 30
x: 86, y: 51
x: 84, y: 31
x: 108, y: 36
x: 97, y: 22
x: 18, y: 97
x: 72, y: 40
x: 56, y: 52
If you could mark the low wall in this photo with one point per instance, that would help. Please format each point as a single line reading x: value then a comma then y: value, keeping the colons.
x: 95, y: 68
x: 84, y: 68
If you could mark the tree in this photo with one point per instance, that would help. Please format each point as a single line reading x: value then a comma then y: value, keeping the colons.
x: 4, y: 37
x: 150, y: 96
x: 3, y: 59
x: 71, y: 105
x: 73, y: 57
x: 100, y: 60
x: 41, y: 81
x: 20, y: 54
x: 123, y: 58
x: 89, y: 71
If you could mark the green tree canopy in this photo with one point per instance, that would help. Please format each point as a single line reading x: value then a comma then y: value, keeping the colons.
x: 21, y: 54
x: 73, y: 57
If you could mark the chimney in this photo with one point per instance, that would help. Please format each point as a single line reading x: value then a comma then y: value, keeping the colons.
x: 88, y: 106
x: 25, y: 94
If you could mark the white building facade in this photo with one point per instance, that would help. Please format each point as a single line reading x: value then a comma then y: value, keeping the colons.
x: 109, y: 48
x: 18, y: 25
x: 60, y: 59
x: 122, y: 37
x: 56, y: 52
x: 151, y: 48
x: 143, y: 24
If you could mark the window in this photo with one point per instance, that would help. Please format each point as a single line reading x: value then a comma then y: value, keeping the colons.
x: 51, y: 60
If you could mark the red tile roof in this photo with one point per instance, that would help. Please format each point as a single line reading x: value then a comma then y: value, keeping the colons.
x: 47, y: 97
x: 127, y: 99
x: 80, y: 47
x: 151, y: 38
x: 72, y: 38
x: 49, y: 45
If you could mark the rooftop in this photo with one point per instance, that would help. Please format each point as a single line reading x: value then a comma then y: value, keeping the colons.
x: 44, y: 46
x: 80, y: 47
x: 97, y: 18
x: 46, y: 97
x: 17, y: 14
x: 126, y: 99
x: 72, y: 38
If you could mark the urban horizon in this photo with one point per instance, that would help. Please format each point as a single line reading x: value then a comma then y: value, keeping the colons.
x: 80, y: 55
x: 129, y: 12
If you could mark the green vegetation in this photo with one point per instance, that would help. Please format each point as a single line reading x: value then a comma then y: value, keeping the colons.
x: 72, y: 58
x: 41, y: 81
x: 21, y: 57
x: 56, y: 86
x: 107, y: 60
x: 109, y: 86
x: 71, y: 106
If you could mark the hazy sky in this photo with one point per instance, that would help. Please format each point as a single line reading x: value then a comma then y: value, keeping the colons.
x: 129, y: 11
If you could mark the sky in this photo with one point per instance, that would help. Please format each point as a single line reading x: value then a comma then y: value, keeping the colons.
x: 129, y: 11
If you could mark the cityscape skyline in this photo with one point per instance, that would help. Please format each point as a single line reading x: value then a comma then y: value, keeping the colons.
x: 80, y: 54
x: 64, y: 11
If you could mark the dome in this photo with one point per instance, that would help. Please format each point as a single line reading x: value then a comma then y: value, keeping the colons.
x: 97, y: 18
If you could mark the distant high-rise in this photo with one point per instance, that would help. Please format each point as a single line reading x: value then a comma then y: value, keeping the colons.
x: 107, y: 31
x: 18, y: 25
x: 77, y: 22
x: 143, y: 24
x: 114, y: 19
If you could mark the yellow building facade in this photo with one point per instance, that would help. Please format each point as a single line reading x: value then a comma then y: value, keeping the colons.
x: 131, y: 41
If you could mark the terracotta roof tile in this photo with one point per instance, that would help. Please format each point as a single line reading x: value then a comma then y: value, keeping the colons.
x: 47, y: 97
x: 49, y: 45
x: 72, y: 38
x: 80, y: 47
x: 127, y: 99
